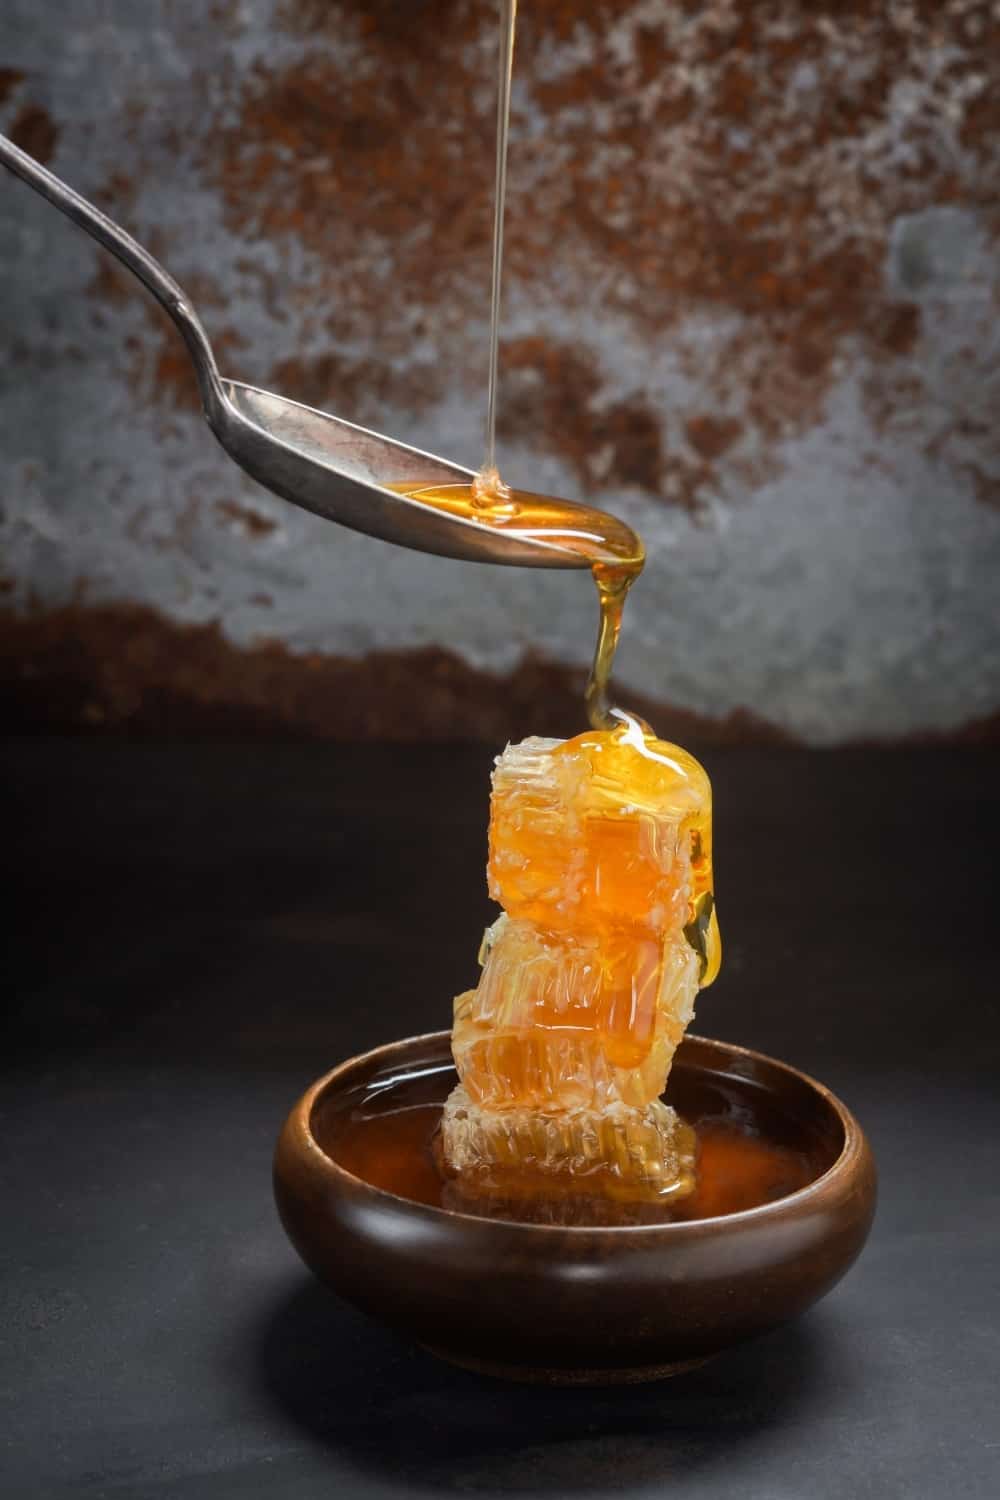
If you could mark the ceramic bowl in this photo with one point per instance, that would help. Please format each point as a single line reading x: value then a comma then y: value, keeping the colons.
x: 580, y: 1305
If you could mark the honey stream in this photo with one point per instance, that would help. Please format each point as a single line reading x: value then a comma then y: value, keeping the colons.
x: 613, y: 550
x: 489, y: 484
x: 615, y: 553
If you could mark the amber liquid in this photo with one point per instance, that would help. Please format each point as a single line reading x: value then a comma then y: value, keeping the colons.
x: 748, y: 1155
x: 489, y: 485
x: 613, y: 550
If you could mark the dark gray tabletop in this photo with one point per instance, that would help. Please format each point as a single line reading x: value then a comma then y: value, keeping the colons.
x: 198, y: 931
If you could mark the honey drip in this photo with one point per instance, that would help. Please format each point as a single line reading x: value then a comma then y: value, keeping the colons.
x: 744, y: 1158
x: 489, y: 485
x: 613, y: 550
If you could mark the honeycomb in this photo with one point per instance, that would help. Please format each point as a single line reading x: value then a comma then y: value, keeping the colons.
x: 600, y: 855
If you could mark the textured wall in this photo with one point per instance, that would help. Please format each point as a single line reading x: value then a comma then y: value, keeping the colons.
x: 752, y: 303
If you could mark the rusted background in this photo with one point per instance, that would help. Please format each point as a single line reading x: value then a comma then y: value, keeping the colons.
x: 751, y: 302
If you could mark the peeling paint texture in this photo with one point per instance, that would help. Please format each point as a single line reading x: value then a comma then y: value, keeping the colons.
x: 752, y: 303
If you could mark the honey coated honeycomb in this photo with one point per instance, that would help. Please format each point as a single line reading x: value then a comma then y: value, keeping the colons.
x: 600, y: 855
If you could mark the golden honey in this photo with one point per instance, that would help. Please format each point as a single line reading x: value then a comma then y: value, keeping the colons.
x: 613, y: 550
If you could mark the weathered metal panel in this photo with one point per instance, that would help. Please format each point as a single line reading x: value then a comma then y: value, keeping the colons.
x: 751, y: 302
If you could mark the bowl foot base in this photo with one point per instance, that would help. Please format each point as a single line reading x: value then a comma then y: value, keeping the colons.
x: 540, y: 1375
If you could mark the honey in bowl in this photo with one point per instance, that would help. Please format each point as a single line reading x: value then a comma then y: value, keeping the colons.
x: 747, y: 1154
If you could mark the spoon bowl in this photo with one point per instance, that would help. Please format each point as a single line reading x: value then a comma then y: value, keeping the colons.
x: 351, y: 475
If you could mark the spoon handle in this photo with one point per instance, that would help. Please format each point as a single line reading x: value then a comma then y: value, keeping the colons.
x: 131, y: 254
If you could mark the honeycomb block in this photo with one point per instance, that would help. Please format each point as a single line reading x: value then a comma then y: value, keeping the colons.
x: 593, y: 833
x: 600, y: 853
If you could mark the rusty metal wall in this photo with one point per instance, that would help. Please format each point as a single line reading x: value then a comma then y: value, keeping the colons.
x: 751, y: 303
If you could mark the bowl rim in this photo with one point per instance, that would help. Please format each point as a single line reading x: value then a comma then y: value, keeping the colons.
x: 855, y: 1148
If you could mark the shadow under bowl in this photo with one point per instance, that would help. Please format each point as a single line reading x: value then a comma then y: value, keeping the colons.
x: 579, y: 1304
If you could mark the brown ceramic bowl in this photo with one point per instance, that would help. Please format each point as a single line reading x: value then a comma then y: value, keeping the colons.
x: 600, y: 1305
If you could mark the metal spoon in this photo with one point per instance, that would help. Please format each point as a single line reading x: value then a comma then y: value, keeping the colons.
x: 325, y: 465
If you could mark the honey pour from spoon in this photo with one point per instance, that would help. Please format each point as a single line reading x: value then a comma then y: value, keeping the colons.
x: 613, y: 552
x: 611, y: 549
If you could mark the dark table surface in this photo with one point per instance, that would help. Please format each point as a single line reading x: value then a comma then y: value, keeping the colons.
x: 198, y: 931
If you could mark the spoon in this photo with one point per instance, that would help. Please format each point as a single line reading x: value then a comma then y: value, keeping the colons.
x: 333, y: 468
